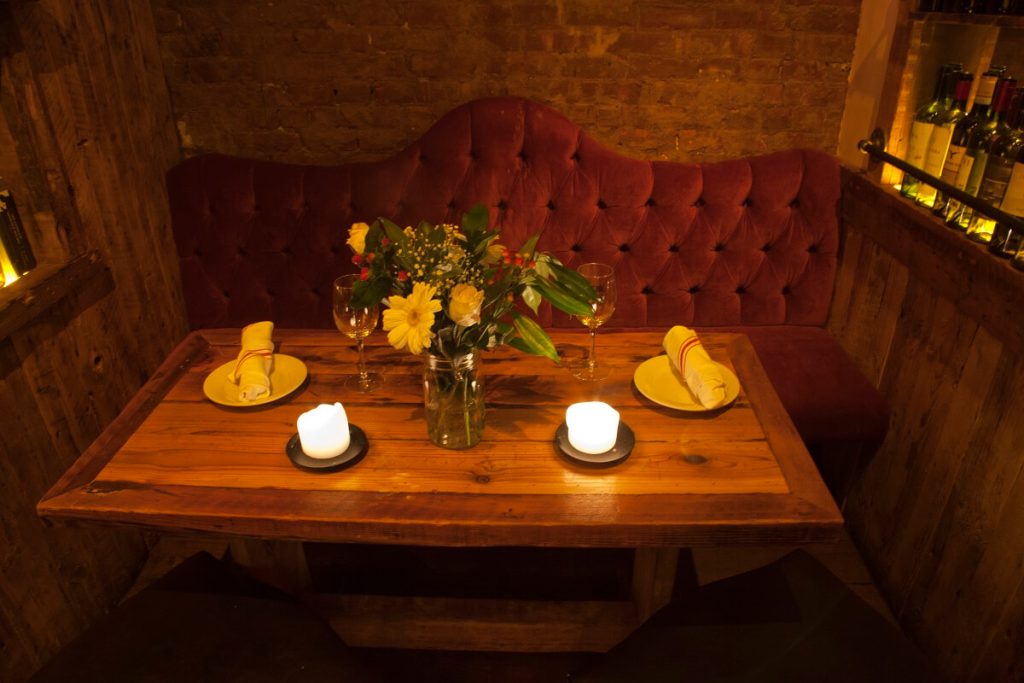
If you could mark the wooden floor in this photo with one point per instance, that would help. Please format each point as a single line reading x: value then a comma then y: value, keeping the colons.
x: 707, y: 564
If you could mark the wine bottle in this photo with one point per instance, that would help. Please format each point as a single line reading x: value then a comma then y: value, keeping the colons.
x: 19, y: 258
x: 955, y: 159
x: 1002, y: 148
x: 922, y: 127
x: 942, y: 134
x: 1006, y: 241
x: 972, y: 170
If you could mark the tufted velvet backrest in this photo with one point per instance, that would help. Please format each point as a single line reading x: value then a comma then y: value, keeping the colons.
x: 745, y: 242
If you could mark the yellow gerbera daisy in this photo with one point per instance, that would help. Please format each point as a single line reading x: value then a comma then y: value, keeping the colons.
x: 409, y: 319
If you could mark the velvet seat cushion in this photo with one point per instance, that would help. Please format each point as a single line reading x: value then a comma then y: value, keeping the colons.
x: 789, y: 621
x: 827, y: 397
x: 206, y: 620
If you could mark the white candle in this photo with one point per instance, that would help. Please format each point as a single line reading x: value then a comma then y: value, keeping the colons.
x: 323, y: 431
x: 593, y: 426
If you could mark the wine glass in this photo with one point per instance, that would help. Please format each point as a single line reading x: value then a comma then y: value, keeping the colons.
x: 601, y: 277
x: 356, y: 323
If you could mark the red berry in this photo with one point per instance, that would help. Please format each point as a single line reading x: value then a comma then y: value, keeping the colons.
x: 364, y: 274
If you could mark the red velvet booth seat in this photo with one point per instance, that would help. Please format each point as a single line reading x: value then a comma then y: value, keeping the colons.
x: 749, y: 244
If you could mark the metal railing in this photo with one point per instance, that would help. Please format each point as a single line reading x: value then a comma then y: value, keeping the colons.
x: 875, y: 148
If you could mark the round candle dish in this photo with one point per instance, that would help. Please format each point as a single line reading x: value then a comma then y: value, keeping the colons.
x: 624, y: 442
x: 358, y: 445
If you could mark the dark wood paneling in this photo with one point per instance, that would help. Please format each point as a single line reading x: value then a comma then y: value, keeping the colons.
x: 86, y: 138
x: 933, y: 319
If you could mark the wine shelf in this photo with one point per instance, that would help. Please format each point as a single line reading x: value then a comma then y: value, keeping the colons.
x: 47, y: 284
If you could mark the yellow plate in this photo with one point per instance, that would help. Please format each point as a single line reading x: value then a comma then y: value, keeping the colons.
x: 286, y: 375
x: 659, y: 381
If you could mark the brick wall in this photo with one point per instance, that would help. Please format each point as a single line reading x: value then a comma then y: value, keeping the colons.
x: 329, y: 81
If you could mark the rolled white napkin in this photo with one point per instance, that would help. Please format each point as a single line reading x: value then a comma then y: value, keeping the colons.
x: 700, y: 373
x: 255, y: 361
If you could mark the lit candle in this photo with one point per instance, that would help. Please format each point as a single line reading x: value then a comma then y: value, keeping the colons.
x: 593, y: 426
x: 323, y: 431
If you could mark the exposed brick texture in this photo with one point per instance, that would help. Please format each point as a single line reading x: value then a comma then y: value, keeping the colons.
x: 327, y: 81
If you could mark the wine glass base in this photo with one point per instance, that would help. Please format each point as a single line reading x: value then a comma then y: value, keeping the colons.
x: 364, y: 385
x: 589, y: 373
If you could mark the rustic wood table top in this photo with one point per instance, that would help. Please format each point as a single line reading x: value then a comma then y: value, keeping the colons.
x: 174, y: 460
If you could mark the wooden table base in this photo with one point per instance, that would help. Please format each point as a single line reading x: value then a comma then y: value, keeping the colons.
x: 469, y: 624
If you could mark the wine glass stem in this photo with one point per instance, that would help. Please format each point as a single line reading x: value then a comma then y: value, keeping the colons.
x: 592, y: 359
x: 363, y: 374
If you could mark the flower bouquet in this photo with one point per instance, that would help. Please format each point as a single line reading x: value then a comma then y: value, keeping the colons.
x: 450, y: 292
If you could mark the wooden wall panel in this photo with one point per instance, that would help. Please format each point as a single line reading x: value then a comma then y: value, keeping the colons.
x: 937, y: 511
x: 87, y: 136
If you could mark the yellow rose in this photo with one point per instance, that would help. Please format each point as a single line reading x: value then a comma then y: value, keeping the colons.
x: 357, y: 237
x: 464, y: 305
x: 493, y: 253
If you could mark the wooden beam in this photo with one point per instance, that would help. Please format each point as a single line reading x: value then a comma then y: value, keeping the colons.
x: 30, y: 296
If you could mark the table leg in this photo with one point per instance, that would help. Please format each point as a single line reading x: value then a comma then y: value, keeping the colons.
x: 279, y: 563
x: 654, y: 574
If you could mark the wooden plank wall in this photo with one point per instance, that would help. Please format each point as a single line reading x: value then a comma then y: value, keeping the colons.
x: 939, y: 512
x: 85, y: 138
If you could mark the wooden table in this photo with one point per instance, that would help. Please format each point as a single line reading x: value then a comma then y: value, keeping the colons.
x: 175, y: 461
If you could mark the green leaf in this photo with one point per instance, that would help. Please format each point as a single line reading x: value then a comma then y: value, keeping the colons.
x: 530, y: 245
x: 475, y: 221
x: 531, y: 298
x: 542, y: 268
x: 534, y: 339
x: 561, y: 299
x: 394, y: 233
x: 573, y: 282
x: 369, y: 293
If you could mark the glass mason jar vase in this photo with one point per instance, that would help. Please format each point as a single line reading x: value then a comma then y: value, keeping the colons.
x: 453, y: 397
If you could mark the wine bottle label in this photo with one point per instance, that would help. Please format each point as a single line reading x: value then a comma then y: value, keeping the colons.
x: 938, y: 145
x: 964, y: 171
x: 1013, y: 199
x: 920, y: 134
x: 954, y: 161
x: 986, y: 88
x: 997, y: 177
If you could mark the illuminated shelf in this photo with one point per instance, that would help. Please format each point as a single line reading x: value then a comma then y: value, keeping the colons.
x: 43, y: 286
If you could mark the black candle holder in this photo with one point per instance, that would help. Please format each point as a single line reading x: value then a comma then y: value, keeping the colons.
x: 624, y: 442
x: 357, y: 447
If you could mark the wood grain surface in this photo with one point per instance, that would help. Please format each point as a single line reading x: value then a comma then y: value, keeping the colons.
x: 86, y: 137
x: 183, y: 462
x: 934, y: 320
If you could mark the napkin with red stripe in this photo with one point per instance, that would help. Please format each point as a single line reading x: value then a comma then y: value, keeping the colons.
x: 700, y: 373
x: 255, y: 361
